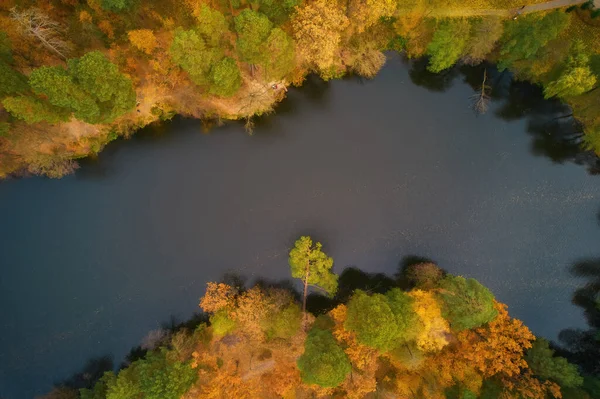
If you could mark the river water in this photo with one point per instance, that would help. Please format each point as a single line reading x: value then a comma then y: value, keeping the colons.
x: 377, y: 170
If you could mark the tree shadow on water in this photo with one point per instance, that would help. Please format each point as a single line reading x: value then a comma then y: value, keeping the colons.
x: 583, y: 346
x: 93, y: 370
x: 435, y: 82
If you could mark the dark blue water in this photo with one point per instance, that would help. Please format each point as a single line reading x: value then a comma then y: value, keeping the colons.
x: 377, y: 170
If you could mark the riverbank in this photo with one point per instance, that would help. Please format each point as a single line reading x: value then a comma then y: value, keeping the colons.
x: 165, y: 85
x: 423, y: 333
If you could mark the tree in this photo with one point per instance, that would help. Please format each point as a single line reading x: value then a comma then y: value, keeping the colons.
x: 466, y: 303
x: 485, y: 33
x: 280, y: 54
x: 92, y: 88
x: 34, y: 23
x: 191, y: 53
x: 100, y: 388
x: 278, y: 11
x: 143, y: 39
x: 402, y: 306
x: 100, y: 78
x: 366, y: 13
x: 117, y: 5
x: 310, y: 264
x: 424, y: 275
x: 433, y: 328
x: 577, y: 78
x: 317, y: 28
x: 212, y: 25
x: 544, y: 365
x: 222, y: 324
x: 448, y: 44
x: 253, y: 29
x: 283, y: 323
x: 523, y: 38
x: 11, y: 81
x: 496, y: 348
x: 323, y: 362
x: 58, y: 87
x: 34, y: 110
x: 154, y: 377
x: 225, y: 78
x: 373, y: 321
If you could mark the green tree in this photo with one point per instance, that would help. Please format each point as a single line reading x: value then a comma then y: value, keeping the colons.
x: 191, y: 53
x: 161, y: 378
x: 225, y: 78
x: 323, y: 362
x: 523, y: 38
x: 372, y: 319
x: 280, y: 54
x: 61, y: 91
x: 448, y: 44
x: 284, y: 323
x: 407, y: 320
x: 253, y: 29
x: 310, y: 264
x: 278, y: 11
x: 212, y: 26
x: 100, y: 389
x: 154, y: 377
x: 11, y: 81
x: 117, y: 5
x: 221, y: 323
x: 34, y: 110
x: 465, y: 302
x: 577, y: 77
x: 125, y: 386
x: 101, y: 79
x: 544, y: 365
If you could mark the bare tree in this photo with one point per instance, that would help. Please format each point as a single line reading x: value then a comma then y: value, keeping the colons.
x: 33, y: 22
x: 481, y: 100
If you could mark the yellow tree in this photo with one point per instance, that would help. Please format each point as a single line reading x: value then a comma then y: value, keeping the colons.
x: 317, y: 28
x: 498, y: 347
x: 434, y: 328
x: 366, y: 13
x: 143, y: 39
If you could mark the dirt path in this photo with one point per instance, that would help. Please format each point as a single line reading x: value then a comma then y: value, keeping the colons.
x: 510, y: 12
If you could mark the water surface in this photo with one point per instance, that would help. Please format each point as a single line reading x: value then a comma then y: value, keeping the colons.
x: 376, y: 170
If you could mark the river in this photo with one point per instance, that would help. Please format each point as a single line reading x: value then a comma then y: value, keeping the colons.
x: 377, y: 170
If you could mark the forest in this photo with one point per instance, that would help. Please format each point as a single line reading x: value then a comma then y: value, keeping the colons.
x: 423, y: 333
x: 77, y: 74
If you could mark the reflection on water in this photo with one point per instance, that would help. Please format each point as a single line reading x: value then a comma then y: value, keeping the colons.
x: 375, y: 169
x: 555, y: 134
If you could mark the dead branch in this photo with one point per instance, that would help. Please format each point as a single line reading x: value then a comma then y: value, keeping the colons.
x: 481, y: 100
x: 35, y: 23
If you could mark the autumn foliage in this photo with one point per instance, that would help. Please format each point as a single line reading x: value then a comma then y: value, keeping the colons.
x: 399, y: 343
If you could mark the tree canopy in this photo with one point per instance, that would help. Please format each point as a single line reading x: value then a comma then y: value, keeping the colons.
x: 448, y: 44
x: 466, y: 303
x: 523, y: 38
x: 253, y: 29
x: 577, y: 77
x: 310, y: 264
x: 373, y: 321
x: 545, y: 365
x: 323, y: 362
